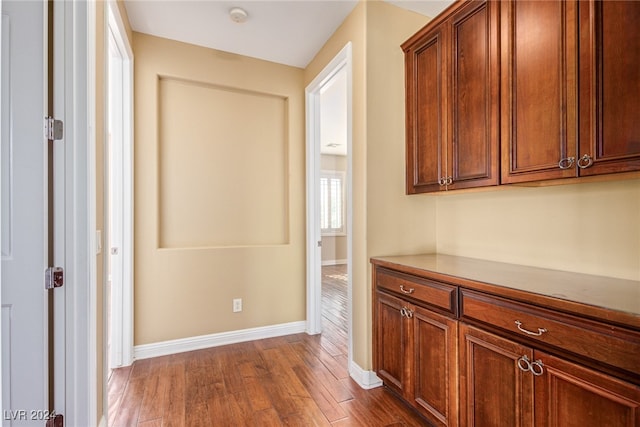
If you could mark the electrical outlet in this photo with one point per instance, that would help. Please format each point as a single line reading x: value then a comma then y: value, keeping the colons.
x: 237, y: 305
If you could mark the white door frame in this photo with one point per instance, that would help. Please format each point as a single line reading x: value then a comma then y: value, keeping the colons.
x: 76, y: 28
x: 122, y: 275
x: 75, y: 219
x: 312, y: 98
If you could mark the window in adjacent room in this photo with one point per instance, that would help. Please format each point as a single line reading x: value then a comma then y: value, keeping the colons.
x: 332, y: 202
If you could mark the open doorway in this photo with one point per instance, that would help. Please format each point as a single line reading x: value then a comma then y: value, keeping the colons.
x: 329, y: 203
x: 119, y: 200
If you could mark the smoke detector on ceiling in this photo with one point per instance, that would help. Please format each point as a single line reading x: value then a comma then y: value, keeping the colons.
x: 238, y: 15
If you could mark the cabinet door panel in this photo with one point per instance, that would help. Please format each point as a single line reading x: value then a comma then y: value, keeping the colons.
x: 392, y: 342
x: 435, y: 367
x: 493, y: 391
x: 539, y: 77
x: 610, y: 83
x: 426, y: 113
x: 569, y: 395
x: 474, y: 119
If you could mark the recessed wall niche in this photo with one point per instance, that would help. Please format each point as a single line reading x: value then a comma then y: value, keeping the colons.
x: 222, y: 166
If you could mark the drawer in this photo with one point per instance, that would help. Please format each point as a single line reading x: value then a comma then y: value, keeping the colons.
x: 435, y: 294
x: 615, y: 346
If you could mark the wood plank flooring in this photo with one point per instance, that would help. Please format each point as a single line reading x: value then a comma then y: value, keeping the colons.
x: 296, y: 380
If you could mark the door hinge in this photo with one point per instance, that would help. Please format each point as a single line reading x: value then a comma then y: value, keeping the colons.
x: 53, y: 277
x: 55, y: 421
x: 53, y: 129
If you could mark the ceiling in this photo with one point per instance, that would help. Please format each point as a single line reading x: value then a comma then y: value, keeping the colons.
x: 287, y: 32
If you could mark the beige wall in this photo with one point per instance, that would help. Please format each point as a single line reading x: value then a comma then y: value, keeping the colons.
x: 396, y: 223
x: 353, y: 30
x: 384, y: 220
x: 591, y: 228
x: 208, y: 179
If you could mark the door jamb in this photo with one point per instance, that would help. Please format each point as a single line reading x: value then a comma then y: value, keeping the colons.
x: 124, y: 335
x: 314, y: 298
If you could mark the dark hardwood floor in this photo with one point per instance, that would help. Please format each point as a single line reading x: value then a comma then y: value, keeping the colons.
x: 296, y: 380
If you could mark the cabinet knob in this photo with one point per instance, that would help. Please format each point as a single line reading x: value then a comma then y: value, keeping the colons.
x: 585, y: 161
x: 442, y: 181
x: 537, y: 334
x: 449, y: 180
x: 566, y: 163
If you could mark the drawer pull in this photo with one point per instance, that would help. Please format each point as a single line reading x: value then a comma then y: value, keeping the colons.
x: 537, y: 334
x: 407, y: 291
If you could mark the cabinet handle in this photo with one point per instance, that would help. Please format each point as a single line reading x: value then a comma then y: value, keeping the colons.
x: 537, y: 368
x: 523, y: 364
x: 406, y: 291
x: 566, y: 163
x: 405, y: 312
x: 537, y: 334
x: 442, y: 181
x: 449, y: 180
x: 585, y: 161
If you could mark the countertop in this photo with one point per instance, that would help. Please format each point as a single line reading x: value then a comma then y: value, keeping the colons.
x: 603, y: 298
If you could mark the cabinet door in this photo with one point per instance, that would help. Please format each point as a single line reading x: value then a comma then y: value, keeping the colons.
x: 569, y: 395
x: 494, y: 392
x: 609, y: 87
x: 539, y: 96
x: 393, y: 343
x: 435, y: 369
x: 426, y: 114
x: 474, y: 102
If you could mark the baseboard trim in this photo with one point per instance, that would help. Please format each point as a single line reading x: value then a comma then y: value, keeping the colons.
x: 182, y: 345
x: 334, y: 262
x: 365, y: 379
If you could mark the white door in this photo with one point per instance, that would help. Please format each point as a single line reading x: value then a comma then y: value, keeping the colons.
x: 24, y: 214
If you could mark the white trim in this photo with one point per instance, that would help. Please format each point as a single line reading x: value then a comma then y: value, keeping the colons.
x: 122, y: 336
x: 365, y: 379
x: 334, y: 262
x: 80, y: 214
x: 103, y: 422
x: 312, y: 97
x: 91, y: 201
x: 164, y: 348
x: 1, y: 363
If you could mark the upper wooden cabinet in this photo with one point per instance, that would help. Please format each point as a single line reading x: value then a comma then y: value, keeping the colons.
x: 538, y: 96
x: 519, y: 91
x: 609, y: 87
x: 452, y: 100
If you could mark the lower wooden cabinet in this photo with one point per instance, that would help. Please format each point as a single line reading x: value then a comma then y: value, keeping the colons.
x: 494, y: 392
x: 435, y: 369
x: 462, y: 356
x: 505, y: 383
x: 393, y: 343
x: 570, y: 395
x: 416, y: 356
